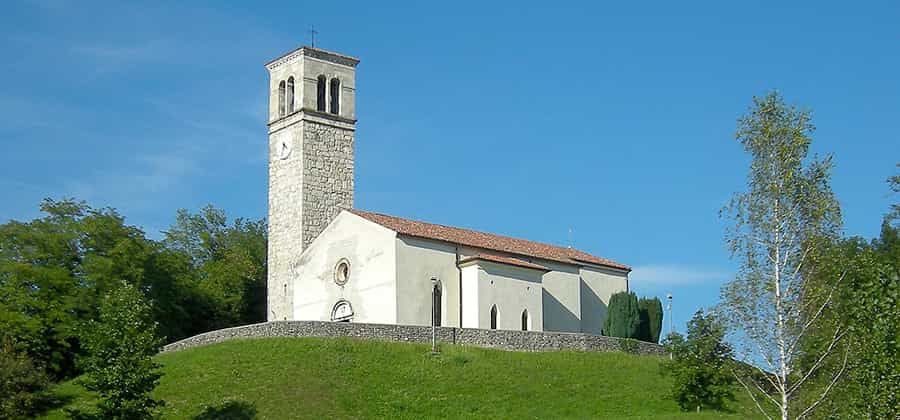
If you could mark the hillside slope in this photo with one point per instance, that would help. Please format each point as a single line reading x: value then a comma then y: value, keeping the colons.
x: 341, y: 378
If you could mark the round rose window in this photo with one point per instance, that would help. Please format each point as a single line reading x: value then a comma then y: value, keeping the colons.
x: 342, y: 272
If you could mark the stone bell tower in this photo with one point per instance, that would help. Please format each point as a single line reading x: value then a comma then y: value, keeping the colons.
x: 312, y: 120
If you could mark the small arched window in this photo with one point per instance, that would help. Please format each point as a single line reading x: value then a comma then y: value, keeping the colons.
x: 436, y: 294
x: 290, y: 94
x: 320, y: 93
x: 342, y: 311
x: 335, y: 96
x: 494, y: 317
x: 526, y: 321
x: 281, y: 99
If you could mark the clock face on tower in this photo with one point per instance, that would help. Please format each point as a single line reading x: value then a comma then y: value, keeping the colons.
x: 284, y: 149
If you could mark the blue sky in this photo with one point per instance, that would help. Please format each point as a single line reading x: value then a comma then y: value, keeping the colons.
x: 529, y: 119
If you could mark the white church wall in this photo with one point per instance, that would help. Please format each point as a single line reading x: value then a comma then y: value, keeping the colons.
x: 597, y: 285
x: 417, y: 261
x: 371, y: 287
x: 470, y: 305
x: 561, y: 297
x: 512, y: 290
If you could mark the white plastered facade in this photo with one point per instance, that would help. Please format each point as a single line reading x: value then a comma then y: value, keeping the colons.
x: 390, y: 282
x: 371, y: 288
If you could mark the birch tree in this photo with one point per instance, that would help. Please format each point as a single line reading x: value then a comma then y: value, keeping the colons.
x: 779, y: 224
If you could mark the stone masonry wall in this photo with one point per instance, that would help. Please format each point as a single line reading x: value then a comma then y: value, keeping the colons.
x: 327, y: 176
x: 500, y: 339
x: 307, y: 188
x: 285, y: 215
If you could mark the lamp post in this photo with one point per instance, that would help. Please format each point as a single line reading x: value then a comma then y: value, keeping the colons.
x: 671, y: 319
x: 434, y: 282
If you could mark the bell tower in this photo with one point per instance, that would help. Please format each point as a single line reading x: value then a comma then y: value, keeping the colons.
x: 312, y: 121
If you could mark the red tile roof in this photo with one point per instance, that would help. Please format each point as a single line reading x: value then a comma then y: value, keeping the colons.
x: 504, y: 260
x: 488, y: 241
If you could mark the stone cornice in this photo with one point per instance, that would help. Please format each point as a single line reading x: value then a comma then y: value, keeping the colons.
x: 306, y: 114
x: 329, y: 56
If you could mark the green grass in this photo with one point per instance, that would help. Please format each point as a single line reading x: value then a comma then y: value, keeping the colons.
x: 341, y: 378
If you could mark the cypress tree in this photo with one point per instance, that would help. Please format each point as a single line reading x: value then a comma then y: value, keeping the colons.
x: 651, y: 319
x: 644, y: 333
x: 622, y: 317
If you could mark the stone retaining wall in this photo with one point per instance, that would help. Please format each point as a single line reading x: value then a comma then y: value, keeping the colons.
x: 500, y: 339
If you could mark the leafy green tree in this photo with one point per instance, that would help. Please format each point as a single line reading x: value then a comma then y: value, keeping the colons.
x: 872, y: 314
x: 21, y: 383
x: 229, y: 262
x: 651, y: 315
x: 622, y: 316
x: 120, y: 346
x: 700, y: 365
x: 894, y: 183
x: 44, y: 282
x: 781, y: 225
x: 867, y: 305
x: 54, y: 270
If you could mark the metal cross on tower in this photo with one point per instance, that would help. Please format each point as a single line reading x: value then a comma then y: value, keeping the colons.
x: 312, y: 34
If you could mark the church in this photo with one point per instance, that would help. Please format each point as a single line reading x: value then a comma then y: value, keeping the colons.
x: 329, y: 261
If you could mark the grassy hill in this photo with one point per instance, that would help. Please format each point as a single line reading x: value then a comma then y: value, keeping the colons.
x: 341, y: 378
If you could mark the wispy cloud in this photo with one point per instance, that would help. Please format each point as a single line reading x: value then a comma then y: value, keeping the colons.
x: 29, y: 113
x: 52, y: 5
x: 150, y: 177
x: 676, y: 275
x: 110, y: 58
x: 164, y: 171
x: 117, y: 53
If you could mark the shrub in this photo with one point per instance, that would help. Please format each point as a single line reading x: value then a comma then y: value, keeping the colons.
x: 21, y: 383
x: 622, y: 318
x: 120, y: 347
x: 699, y: 365
x: 629, y: 345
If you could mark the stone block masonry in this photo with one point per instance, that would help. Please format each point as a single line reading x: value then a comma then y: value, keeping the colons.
x: 327, y: 176
x: 308, y: 186
x: 498, y: 339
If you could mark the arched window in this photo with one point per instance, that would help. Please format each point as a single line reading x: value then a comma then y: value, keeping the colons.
x: 335, y: 96
x: 526, y: 321
x: 494, y: 317
x: 436, y: 294
x: 290, y: 94
x: 320, y: 93
x: 342, y: 311
x: 281, y: 99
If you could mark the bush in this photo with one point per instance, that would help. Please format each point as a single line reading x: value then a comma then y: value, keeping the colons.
x: 629, y: 345
x: 622, y: 318
x: 21, y: 383
x: 119, y: 365
x: 699, y: 365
